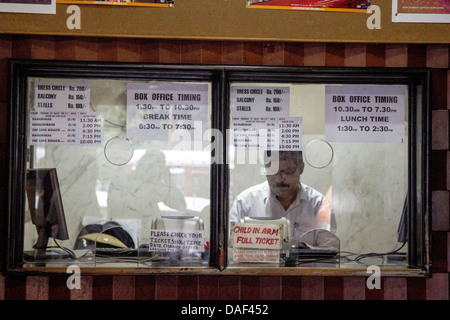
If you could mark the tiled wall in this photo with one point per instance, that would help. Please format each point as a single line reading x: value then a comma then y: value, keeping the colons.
x: 193, y: 287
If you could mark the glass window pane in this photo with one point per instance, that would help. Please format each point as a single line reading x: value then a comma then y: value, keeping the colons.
x: 354, y: 174
x: 132, y: 166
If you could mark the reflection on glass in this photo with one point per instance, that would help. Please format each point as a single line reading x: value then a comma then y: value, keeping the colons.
x: 355, y: 190
x: 113, y: 191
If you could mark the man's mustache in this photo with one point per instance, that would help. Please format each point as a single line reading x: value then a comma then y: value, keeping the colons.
x: 280, y: 185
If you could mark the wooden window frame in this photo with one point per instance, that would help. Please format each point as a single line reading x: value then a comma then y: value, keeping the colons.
x: 221, y: 77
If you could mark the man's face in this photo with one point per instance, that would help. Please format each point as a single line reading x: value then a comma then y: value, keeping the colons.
x: 285, y: 182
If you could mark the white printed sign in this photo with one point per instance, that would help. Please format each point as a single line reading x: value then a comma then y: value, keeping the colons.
x: 256, y: 255
x: 52, y: 95
x: 261, y: 118
x: 175, y: 240
x: 66, y: 128
x: 290, y: 133
x: 259, y: 101
x: 158, y: 111
x: 253, y: 242
x: 255, y: 133
x: 268, y: 133
x: 257, y: 236
x: 365, y: 113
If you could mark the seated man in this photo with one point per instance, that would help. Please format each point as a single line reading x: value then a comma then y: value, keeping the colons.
x: 283, y: 195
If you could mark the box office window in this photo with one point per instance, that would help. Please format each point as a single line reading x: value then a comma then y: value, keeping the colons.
x: 123, y: 157
x: 116, y: 170
x: 149, y: 167
x: 326, y: 173
x: 350, y: 180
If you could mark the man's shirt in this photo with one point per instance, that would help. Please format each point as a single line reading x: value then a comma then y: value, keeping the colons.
x: 309, y: 211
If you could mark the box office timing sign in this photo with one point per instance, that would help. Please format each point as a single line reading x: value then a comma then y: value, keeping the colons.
x: 365, y: 113
x: 161, y: 111
x: 253, y: 242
